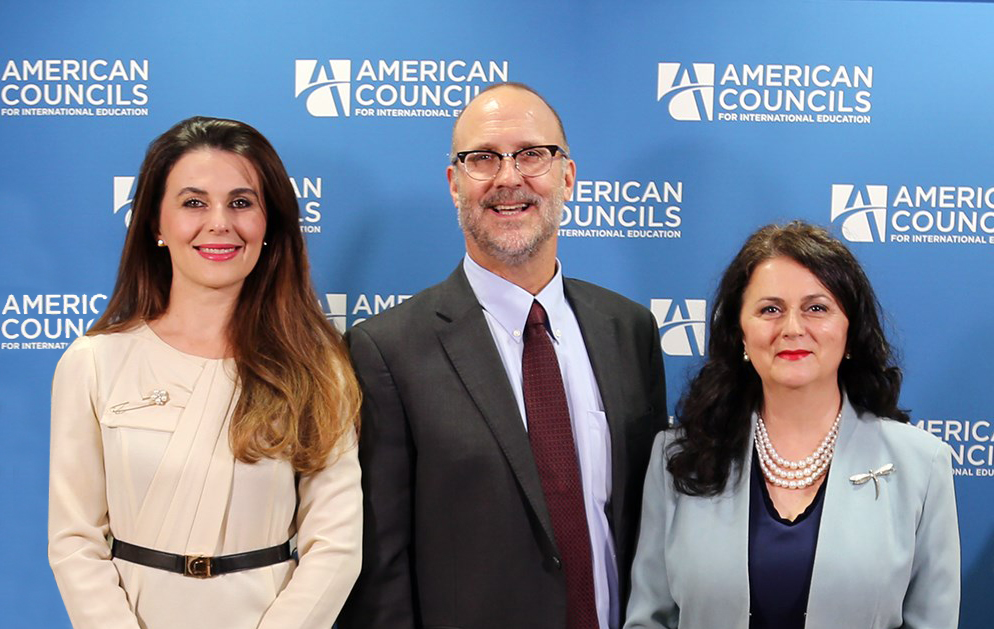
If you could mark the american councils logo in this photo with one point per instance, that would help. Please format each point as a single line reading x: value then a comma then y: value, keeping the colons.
x: 47, y: 321
x: 404, y: 88
x: 364, y: 305
x: 124, y: 195
x: 863, y: 210
x: 74, y: 87
x: 336, y: 310
x: 914, y: 214
x: 623, y: 209
x: 766, y: 92
x: 326, y: 86
x: 681, y: 325
x: 687, y: 90
x: 972, y: 442
x: 309, y: 191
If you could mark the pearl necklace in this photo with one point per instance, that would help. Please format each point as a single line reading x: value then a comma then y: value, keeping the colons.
x: 794, y: 474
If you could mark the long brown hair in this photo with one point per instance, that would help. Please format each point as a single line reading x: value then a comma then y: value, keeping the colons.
x: 298, y: 394
x: 716, y: 410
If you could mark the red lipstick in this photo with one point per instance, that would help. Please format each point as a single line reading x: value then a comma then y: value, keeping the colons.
x: 793, y: 354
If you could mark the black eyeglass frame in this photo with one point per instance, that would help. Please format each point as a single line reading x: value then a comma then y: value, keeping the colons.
x: 552, y: 148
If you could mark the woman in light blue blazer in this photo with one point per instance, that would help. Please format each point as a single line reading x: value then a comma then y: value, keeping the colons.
x: 794, y: 492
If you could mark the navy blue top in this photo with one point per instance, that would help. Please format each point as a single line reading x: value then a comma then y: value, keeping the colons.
x: 781, y: 557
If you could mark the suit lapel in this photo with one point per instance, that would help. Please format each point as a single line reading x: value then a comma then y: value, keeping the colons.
x: 466, y: 339
x: 852, y: 536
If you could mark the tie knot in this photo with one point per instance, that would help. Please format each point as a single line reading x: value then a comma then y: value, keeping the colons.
x: 536, y: 316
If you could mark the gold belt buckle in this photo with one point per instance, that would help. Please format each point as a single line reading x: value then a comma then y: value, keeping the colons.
x: 198, y: 567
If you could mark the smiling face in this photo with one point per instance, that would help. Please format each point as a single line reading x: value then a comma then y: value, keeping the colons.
x: 793, y: 328
x: 511, y: 219
x: 213, y: 220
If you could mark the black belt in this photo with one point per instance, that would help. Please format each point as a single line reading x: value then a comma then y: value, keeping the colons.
x: 198, y: 566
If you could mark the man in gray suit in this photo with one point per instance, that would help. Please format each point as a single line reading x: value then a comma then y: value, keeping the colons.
x: 508, y: 412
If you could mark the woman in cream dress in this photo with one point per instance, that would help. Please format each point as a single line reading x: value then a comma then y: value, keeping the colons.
x: 210, y: 412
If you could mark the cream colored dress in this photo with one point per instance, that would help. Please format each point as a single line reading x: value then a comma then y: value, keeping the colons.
x: 164, y: 477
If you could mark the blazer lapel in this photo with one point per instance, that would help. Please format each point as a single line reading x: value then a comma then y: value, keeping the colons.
x: 466, y: 339
x: 852, y: 537
x: 729, y: 538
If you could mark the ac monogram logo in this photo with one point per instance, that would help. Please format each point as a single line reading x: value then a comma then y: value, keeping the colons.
x: 124, y: 194
x: 328, y: 86
x: 681, y: 329
x: 687, y: 90
x: 337, y: 310
x: 863, y: 209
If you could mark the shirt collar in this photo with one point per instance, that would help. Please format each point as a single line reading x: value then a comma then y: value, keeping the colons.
x: 509, y: 304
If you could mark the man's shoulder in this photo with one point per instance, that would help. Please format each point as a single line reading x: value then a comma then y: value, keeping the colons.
x: 603, y: 299
x: 419, y: 310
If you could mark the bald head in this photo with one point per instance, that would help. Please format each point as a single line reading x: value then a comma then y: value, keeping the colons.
x: 492, y: 99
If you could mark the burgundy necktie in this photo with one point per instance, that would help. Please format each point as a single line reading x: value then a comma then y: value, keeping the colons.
x: 551, y: 436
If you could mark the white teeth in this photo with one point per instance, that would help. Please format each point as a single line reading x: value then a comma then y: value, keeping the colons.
x: 510, y: 208
x: 217, y: 250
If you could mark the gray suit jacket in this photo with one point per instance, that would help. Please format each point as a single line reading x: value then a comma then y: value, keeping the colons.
x: 457, y: 533
x: 884, y: 562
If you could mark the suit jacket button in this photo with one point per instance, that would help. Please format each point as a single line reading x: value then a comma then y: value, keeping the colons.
x: 557, y: 562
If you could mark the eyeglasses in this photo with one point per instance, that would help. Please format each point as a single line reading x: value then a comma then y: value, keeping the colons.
x: 531, y: 161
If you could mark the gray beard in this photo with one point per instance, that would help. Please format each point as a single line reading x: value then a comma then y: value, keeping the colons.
x: 510, y: 248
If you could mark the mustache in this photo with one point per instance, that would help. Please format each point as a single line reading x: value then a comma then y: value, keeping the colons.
x: 506, y: 196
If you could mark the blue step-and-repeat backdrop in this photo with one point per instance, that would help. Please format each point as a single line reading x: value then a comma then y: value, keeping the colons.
x: 692, y: 123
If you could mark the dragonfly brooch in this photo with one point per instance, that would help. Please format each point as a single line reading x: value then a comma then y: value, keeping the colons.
x: 874, y: 475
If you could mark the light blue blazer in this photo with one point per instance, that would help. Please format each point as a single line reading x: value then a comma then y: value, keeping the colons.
x: 880, y: 563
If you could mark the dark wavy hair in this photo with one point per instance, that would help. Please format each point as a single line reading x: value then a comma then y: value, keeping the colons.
x: 298, y: 394
x: 715, y: 412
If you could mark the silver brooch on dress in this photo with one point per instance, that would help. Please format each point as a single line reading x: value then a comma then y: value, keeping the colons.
x: 874, y: 475
x: 155, y: 397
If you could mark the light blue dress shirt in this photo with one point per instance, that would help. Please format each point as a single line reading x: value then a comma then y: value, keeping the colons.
x: 506, y: 306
